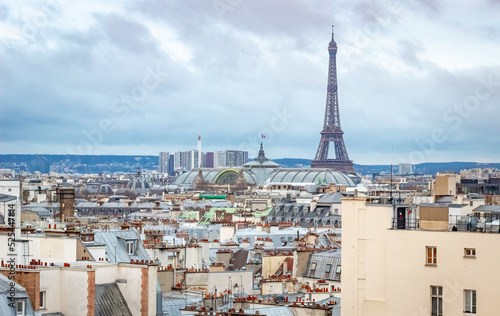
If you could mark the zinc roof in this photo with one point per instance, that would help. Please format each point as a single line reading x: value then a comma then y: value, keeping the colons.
x: 109, y: 301
x: 20, y: 292
x: 116, y: 247
x: 7, y: 198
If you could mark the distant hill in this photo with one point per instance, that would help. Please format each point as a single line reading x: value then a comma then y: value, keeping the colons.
x: 434, y: 167
x: 86, y: 159
x: 293, y: 162
x: 83, y: 163
x: 129, y: 163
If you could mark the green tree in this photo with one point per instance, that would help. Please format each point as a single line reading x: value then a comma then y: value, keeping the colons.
x: 26, y: 195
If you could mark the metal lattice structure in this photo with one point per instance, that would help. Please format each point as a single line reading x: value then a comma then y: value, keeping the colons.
x: 332, y: 131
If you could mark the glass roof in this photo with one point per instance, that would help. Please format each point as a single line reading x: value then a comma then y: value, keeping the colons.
x: 299, y: 176
x: 323, y: 176
x: 188, y: 177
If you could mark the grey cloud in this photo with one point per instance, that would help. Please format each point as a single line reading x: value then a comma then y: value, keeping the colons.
x: 431, y: 8
x: 126, y: 34
x: 409, y: 52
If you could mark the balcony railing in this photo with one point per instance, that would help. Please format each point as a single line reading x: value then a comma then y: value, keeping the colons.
x: 410, y: 223
x: 482, y: 223
x: 479, y: 223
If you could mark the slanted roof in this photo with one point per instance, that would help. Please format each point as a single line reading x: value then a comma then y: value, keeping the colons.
x: 109, y: 301
x: 323, y: 259
x: 476, y: 196
x: 116, y: 246
x: 165, y: 228
x: 173, y: 302
x: 331, y: 197
x: 239, y: 259
x: 41, y: 211
x: 7, y: 198
x: 488, y: 208
x: 5, y: 288
x: 289, y: 267
x: 20, y: 293
x: 210, y: 214
x: 209, y: 232
x: 324, y: 240
x: 445, y: 199
x: 263, y: 213
x: 336, y: 307
x: 271, y: 311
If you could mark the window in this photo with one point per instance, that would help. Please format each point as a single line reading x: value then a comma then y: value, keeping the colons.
x: 337, y: 273
x: 328, y: 268
x: 469, y: 301
x: 335, y: 211
x: 470, y: 252
x: 130, y: 247
x: 42, y: 299
x: 21, y: 308
x: 313, y: 269
x: 313, y: 266
x: 437, y: 300
x: 290, y: 239
x: 431, y: 255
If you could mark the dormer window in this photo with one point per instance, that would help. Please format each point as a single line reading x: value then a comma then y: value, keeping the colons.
x: 338, y: 272
x: 130, y: 247
x: 313, y: 266
x: 21, y: 308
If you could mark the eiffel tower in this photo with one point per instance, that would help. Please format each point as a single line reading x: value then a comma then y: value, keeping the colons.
x: 332, y: 131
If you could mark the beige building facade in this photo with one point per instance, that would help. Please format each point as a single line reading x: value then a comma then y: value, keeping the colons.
x: 414, y: 272
x: 446, y: 184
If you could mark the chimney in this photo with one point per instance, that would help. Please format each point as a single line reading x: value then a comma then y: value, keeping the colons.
x: 199, y: 152
x: 66, y: 202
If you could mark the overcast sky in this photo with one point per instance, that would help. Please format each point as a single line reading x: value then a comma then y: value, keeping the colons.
x: 419, y: 81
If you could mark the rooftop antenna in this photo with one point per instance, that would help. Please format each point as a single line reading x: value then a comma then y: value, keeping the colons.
x: 390, y: 196
x: 392, y: 160
x: 332, y: 31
